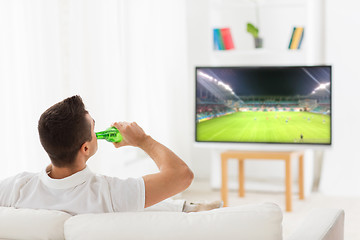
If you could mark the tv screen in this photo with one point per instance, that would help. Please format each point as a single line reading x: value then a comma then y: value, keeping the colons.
x: 289, y: 105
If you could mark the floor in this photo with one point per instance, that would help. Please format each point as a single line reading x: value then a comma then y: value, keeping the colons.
x: 201, y: 191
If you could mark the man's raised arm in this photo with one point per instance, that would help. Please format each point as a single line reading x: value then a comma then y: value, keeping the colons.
x: 174, y: 176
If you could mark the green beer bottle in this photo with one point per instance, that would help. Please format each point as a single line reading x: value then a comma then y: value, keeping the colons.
x: 111, y: 135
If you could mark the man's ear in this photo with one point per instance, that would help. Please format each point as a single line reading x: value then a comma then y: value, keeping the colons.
x: 85, y: 149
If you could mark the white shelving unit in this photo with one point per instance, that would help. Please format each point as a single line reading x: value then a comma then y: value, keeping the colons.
x: 276, y: 20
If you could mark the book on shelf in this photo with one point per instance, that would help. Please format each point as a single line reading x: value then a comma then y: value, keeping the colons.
x: 296, y: 38
x: 223, y: 39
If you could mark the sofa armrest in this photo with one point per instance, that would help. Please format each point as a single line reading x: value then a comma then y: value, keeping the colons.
x: 321, y: 224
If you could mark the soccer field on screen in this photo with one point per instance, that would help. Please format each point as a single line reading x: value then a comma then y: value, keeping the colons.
x: 275, y: 127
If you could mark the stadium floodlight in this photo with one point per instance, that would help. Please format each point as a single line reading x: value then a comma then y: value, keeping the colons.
x: 227, y: 87
x: 321, y: 87
x: 220, y: 83
x: 206, y: 76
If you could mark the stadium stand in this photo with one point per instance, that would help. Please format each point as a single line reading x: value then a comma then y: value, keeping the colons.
x: 215, y: 99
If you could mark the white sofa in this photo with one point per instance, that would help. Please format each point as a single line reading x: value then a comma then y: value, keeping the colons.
x: 250, y: 222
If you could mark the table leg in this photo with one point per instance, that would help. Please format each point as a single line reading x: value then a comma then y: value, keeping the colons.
x: 224, y: 181
x: 301, y: 176
x: 288, y: 183
x: 241, y: 178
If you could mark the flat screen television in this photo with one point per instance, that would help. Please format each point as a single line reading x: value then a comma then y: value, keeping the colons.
x: 278, y: 105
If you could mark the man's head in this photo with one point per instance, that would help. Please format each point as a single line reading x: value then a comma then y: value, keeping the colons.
x: 66, y: 130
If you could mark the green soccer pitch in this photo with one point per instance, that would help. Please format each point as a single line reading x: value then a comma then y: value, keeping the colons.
x: 266, y: 127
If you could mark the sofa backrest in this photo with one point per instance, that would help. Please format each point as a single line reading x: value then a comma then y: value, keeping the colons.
x: 256, y: 222
x: 31, y: 224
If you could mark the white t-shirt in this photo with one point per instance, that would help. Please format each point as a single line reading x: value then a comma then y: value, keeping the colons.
x: 82, y: 192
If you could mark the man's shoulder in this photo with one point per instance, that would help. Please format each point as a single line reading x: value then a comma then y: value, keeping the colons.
x: 115, y: 178
x: 20, y: 177
x: 116, y: 183
x: 10, y: 187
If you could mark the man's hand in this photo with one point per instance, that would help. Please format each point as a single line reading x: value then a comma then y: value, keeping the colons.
x: 133, y: 134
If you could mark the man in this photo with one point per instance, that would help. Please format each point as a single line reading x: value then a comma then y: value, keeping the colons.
x: 67, y: 134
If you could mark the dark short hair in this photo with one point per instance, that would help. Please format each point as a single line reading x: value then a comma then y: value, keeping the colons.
x: 63, y: 129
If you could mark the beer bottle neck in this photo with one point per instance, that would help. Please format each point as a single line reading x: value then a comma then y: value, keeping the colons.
x: 101, y: 135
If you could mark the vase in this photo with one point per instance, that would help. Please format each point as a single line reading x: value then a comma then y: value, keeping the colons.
x: 258, y: 42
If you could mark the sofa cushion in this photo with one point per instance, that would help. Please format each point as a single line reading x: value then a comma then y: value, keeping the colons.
x: 257, y: 221
x: 31, y: 224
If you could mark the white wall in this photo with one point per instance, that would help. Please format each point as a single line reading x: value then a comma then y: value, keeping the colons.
x: 197, y: 16
x: 341, y: 165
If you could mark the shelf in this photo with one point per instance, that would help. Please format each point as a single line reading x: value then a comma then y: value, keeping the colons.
x: 259, y: 52
x: 259, y: 57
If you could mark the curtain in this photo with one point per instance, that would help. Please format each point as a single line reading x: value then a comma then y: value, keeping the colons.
x: 126, y: 59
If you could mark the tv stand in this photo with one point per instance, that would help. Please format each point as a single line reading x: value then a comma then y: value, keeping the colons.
x: 241, y: 156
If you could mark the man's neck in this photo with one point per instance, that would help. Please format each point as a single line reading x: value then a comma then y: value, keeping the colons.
x: 59, y: 173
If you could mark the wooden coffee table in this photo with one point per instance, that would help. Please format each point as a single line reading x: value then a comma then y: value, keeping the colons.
x: 241, y: 156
